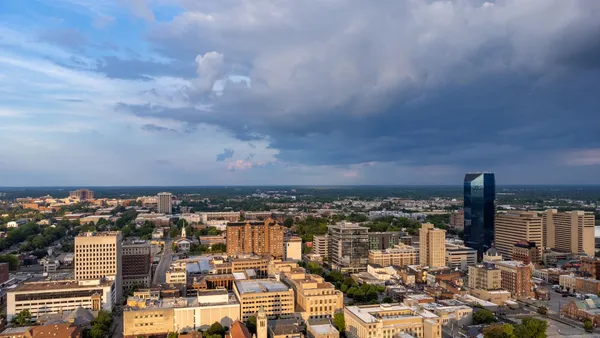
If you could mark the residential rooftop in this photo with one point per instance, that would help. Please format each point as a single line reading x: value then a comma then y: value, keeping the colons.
x: 61, y: 285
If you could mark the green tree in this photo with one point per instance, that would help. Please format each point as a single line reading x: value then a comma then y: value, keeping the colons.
x: 216, y: 329
x: 174, y: 232
x: 288, y: 222
x: 172, y: 335
x: 588, y: 325
x: 542, y: 310
x: 23, y: 318
x: 97, y: 331
x: 12, y: 260
x: 218, y: 248
x: 499, y: 331
x: 387, y: 300
x: 339, y: 322
x: 531, y: 328
x: 181, y: 223
x: 251, y: 324
x: 483, y: 317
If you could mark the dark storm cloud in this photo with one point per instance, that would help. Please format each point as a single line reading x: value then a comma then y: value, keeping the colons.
x: 425, y: 83
x: 227, y: 153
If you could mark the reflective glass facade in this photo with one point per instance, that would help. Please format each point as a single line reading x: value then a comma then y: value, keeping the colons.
x: 479, y: 195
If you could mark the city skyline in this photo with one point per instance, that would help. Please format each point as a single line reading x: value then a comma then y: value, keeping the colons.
x: 179, y: 93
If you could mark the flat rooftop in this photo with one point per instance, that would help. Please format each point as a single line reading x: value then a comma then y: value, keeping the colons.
x: 368, y: 313
x: 58, y: 285
x: 99, y: 234
x: 259, y: 286
x: 182, y: 302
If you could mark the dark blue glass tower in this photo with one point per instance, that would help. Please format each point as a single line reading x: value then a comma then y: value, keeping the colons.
x: 480, y: 195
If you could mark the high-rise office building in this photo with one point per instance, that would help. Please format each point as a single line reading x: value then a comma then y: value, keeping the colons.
x: 572, y: 231
x: 98, y: 256
x: 479, y: 210
x: 260, y: 238
x: 514, y: 226
x: 432, y: 246
x: 82, y: 194
x: 137, y: 264
x: 348, y: 247
x: 164, y: 202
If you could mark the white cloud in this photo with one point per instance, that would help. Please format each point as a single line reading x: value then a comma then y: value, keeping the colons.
x: 210, y: 69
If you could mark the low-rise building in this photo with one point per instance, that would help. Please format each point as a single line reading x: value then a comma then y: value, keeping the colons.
x: 400, y: 255
x: 516, y: 278
x: 146, y: 317
x: 526, y: 252
x: 292, y: 248
x: 276, y: 298
x: 567, y: 282
x: 315, y: 298
x: 55, y: 296
x: 581, y: 310
x: 321, y: 328
x: 460, y: 256
x: 389, y: 320
x: 176, y: 275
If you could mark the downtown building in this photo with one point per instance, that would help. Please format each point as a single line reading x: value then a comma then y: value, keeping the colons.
x: 262, y: 238
x: 164, y: 203
x: 571, y: 231
x: 321, y: 245
x: 383, y: 240
x: 137, y: 264
x: 315, y: 298
x: 274, y: 297
x: 516, y: 226
x: 479, y: 210
x: 348, y: 247
x: 400, y: 255
x: 153, y: 316
x: 432, y: 246
x: 98, y: 255
x: 459, y: 256
x: 391, y: 320
x: 82, y: 194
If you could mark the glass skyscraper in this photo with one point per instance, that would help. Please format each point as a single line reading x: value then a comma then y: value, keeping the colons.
x: 480, y: 195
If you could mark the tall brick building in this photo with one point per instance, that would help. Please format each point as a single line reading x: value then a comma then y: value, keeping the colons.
x: 261, y: 238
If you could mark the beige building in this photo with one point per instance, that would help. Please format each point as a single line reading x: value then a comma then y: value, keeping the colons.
x: 276, y: 298
x: 315, y: 298
x: 98, y: 255
x: 321, y: 328
x: 292, y: 248
x: 390, y: 320
x: 143, y: 316
x: 176, y: 275
x: 262, y: 238
x: 320, y: 245
x: 400, y: 255
x: 514, y: 226
x: 484, y: 276
x: 432, y: 246
x: 572, y: 231
x: 56, y: 296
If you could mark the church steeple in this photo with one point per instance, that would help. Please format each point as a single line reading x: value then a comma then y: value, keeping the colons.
x: 261, y: 323
x: 183, y: 234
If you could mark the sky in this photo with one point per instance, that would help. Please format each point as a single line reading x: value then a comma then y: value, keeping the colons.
x: 263, y: 92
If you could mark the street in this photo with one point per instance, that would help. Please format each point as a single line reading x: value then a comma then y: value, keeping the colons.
x: 164, y: 264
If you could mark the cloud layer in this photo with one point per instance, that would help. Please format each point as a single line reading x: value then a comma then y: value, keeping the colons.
x: 414, y: 91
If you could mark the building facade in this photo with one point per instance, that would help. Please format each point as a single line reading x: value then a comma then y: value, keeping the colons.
x: 155, y: 316
x: 391, y: 320
x: 164, y: 203
x: 383, y: 240
x: 321, y: 245
x: 82, y: 194
x: 526, y: 252
x: 432, y: 246
x: 137, y: 264
x: 315, y: 298
x: 292, y: 248
x: 460, y: 256
x: 53, y: 297
x: 275, y: 298
x: 400, y: 255
x: 514, y: 226
x: 516, y: 278
x: 348, y: 247
x: 571, y: 231
x: 457, y: 219
x: 263, y: 238
x: 590, y: 267
x: 479, y: 210
x: 485, y: 276
x: 98, y: 255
